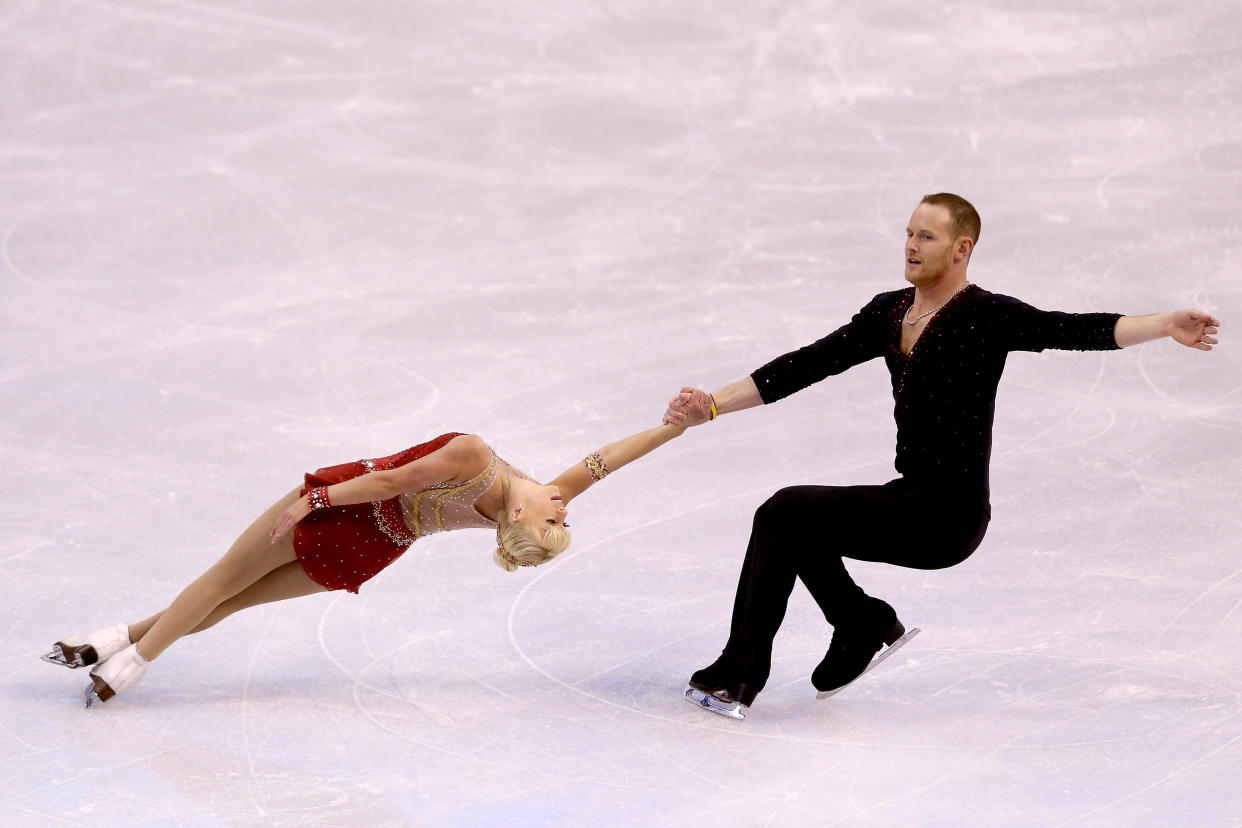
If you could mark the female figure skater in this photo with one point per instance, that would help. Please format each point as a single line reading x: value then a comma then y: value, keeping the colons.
x: 349, y: 522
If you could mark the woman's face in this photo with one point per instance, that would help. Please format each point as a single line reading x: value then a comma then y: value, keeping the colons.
x: 542, y: 507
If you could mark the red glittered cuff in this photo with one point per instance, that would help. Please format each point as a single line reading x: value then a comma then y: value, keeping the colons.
x: 317, y: 498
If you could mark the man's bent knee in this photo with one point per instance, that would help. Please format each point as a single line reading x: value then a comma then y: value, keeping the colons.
x: 781, y: 510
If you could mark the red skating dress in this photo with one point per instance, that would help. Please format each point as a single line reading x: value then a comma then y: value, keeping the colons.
x: 342, y: 547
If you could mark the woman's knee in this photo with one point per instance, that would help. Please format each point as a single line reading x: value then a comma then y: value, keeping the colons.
x: 218, y: 585
x: 221, y: 611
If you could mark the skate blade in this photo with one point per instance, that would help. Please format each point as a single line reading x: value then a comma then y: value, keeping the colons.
x: 706, y: 701
x: 885, y: 653
x: 57, y: 656
x: 97, y: 691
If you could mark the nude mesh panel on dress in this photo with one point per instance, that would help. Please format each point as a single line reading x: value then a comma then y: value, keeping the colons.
x: 446, y: 506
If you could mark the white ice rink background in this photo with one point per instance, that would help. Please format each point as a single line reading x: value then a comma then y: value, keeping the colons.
x: 241, y: 240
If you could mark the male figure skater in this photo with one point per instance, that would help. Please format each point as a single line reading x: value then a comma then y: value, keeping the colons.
x: 944, y: 341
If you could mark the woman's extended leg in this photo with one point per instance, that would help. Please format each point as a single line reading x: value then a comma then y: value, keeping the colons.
x: 287, y: 581
x: 284, y: 582
x: 251, y: 557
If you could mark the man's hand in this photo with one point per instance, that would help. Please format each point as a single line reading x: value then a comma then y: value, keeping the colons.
x: 690, y: 407
x: 1194, y: 328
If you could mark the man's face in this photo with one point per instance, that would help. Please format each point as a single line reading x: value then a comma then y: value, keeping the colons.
x: 929, y: 245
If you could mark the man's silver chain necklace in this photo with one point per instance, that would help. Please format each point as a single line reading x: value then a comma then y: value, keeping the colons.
x: 921, y: 316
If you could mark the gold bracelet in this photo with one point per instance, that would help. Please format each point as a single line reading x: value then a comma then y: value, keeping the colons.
x: 595, y: 466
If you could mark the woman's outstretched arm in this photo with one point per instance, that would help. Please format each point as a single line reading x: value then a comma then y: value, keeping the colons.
x: 582, y: 475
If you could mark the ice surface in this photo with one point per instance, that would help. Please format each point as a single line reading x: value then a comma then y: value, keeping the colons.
x: 241, y: 240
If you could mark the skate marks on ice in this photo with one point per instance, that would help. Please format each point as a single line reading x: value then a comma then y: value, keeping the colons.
x: 1037, y: 705
x: 441, y: 690
x: 1039, y: 729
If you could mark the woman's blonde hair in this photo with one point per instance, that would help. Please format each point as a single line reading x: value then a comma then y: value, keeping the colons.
x: 520, y: 546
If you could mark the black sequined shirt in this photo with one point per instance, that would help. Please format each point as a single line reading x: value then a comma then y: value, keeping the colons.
x: 944, y: 391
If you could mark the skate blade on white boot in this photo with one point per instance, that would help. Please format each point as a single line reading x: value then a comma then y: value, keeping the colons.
x: 885, y: 653
x: 117, y: 674
x: 92, y: 648
x: 721, y: 707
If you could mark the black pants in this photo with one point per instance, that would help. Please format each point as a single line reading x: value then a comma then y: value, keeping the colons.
x: 805, y: 531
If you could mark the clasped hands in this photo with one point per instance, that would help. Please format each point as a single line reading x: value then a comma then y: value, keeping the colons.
x: 690, y: 407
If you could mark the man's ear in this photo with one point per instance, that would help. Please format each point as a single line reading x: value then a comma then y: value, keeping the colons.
x: 963, y: 248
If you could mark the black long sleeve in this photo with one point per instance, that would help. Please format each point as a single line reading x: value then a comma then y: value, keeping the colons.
x: 944, y: 391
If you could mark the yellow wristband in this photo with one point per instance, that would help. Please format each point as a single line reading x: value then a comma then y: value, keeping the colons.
x: 715, y: 414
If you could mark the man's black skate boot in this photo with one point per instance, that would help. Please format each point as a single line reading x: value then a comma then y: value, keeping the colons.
x: 723, y: 678
x: 855, y: 641
x: 723, y: 688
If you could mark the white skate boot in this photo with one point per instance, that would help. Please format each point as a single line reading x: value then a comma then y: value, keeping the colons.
x: 121, y: 672
x: 84, y: 650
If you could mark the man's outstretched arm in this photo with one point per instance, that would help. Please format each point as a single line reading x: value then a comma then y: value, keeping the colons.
x: 736, y: 396
x: 1192, y: 328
